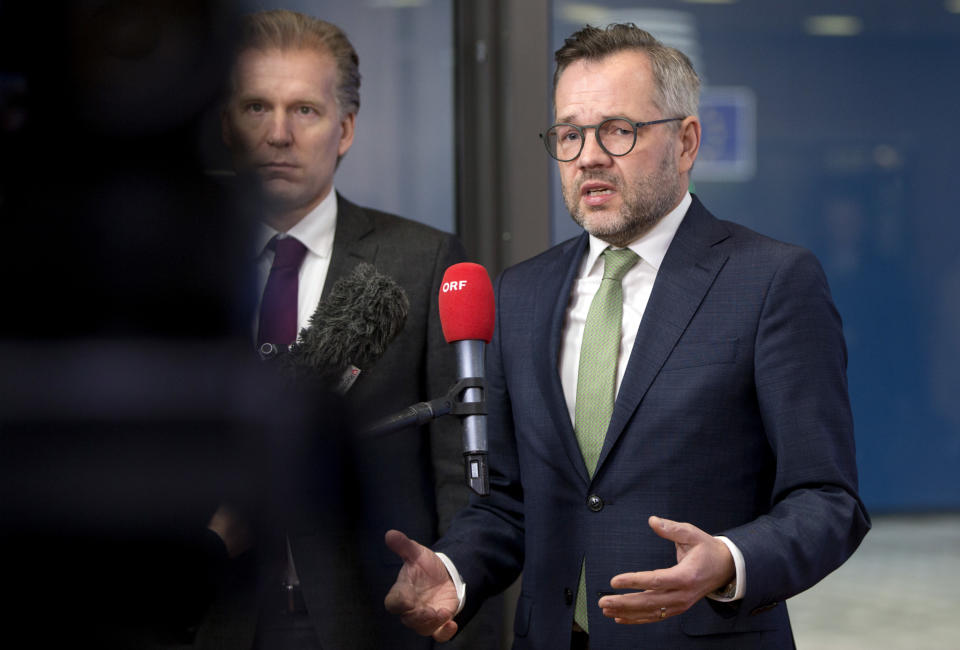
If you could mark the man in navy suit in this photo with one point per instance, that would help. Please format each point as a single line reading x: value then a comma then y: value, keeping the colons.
x: 723, y: 480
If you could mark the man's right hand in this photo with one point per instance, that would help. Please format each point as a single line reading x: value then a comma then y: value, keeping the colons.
x: 424, y: 595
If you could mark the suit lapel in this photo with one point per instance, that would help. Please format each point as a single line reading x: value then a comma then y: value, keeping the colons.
x: 351, y: 244
x: 552, y: 299
x: 688, y: 270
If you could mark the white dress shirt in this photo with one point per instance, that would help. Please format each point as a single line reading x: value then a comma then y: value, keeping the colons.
x: 637, y: 285
x: 315, y: 231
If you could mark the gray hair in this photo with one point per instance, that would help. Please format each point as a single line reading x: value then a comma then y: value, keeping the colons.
x: 676, y: 82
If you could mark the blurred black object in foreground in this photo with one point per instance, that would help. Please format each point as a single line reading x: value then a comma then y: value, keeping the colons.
x: 111, y: 227
x: 113, y: 457
x: 131, y: 405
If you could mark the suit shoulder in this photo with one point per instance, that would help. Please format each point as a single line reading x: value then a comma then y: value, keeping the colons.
x: 401, y: 226
x: 412, y: 252
x: 750, y: 242
x: 701, y: 228
x: 772, y: 262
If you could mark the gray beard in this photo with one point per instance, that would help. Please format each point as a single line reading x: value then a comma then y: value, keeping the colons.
x: 645, y: 203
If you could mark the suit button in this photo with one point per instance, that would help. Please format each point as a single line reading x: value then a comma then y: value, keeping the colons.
x: 568, y: 596
x: 595, y: 503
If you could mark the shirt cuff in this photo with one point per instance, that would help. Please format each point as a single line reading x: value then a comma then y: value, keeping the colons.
x: 738, y: 588
x: 457, y: 581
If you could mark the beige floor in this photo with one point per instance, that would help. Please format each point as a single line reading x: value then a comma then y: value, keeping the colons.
x: 900, y: 590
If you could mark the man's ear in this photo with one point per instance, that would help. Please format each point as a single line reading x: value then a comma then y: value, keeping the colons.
x: 689, y: 143
x: 347, y: 126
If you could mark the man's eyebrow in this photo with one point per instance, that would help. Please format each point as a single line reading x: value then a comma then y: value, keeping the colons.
x: 248, y: 97
x: 570, y: 120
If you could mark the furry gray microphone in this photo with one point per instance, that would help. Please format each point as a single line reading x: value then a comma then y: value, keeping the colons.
x: 351, y: 328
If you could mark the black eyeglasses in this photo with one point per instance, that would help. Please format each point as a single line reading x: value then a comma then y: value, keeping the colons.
x: 616, y: 135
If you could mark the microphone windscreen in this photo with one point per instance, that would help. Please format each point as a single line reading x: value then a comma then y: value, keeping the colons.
x: 363, y: 313
x: 466, y: 303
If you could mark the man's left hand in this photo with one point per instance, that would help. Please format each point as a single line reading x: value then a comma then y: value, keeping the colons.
x: 704, y: 564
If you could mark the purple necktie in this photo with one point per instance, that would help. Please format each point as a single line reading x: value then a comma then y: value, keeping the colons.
x: 278, y: 309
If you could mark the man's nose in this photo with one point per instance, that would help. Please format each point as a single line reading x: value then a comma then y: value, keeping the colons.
x: 592, y: 154
x: 279, y: 134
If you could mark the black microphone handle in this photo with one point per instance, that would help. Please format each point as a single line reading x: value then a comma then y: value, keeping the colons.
x: 471, y: 409
x: 417, y: 414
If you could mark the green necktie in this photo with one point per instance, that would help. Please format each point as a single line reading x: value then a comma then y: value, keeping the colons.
x: 597, y: 376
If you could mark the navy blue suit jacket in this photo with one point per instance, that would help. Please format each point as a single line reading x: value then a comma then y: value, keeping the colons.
x: 733, y: 415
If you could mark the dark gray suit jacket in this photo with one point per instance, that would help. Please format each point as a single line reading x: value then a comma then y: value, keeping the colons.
x: 733, y: 415
x: 411, y: 480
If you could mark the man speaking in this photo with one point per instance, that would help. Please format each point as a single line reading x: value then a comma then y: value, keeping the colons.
x: 671, y: 443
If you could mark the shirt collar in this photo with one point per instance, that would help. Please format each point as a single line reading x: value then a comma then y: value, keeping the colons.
x: 315, y: 231
x: 651, y: 247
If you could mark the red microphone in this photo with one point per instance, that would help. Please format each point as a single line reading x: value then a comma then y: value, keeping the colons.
x: 466, y: 315
x: 466, y: 303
